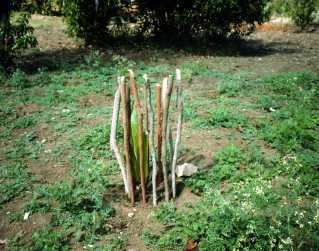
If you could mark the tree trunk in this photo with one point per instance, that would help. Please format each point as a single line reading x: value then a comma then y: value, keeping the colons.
x: 5, y: 8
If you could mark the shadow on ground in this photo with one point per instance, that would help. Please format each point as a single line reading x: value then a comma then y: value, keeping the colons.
x: 68, y: 59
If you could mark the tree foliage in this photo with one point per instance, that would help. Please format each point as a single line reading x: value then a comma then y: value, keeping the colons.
x: 45, y: 7
x: 173, y: 18
x: 198, y: 17
x: 90, y: 19
x: 14, y: 35
x: 302, y: 12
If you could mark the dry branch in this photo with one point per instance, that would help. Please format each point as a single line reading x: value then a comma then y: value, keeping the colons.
x: 113, y: 143
x: 166, y: 95
x: 140, y: 132
x: 127, y: 131
x: 178, y: 85
x: 178, y: 139
x: 151, y: 136
x: 159, y: 132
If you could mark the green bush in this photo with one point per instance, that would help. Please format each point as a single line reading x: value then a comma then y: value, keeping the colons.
x: 19, y: 79
x: 202, y: 18
x: 89, y: 21
x: 195, y: 19
x: 14, y: 35
x: 302, y: 12
x: 45, y: 7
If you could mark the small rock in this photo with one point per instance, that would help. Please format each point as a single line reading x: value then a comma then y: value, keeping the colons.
x: 3, y: 242
x: 130, y: 215
x: 26, y: 215
x: 187, y: 169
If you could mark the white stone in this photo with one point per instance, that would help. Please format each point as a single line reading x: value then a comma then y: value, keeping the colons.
x: 26, y: 216
x: 187, y: 169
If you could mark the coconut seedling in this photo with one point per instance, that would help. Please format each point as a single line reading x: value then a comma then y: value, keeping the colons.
x: 142, y: 156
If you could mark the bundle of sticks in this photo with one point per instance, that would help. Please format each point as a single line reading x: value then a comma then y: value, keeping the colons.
x: 158, y: 144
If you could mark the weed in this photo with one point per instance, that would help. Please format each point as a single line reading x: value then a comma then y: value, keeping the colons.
x: 218, y: 223
x: 150, y: 240
x: 15, y: 180
x: 221, y: 117
x: 95, y: 142
x: 122, y: 63
x: 48, y: 239
x: 24, y: 122
x: 19, y: 79
x: 166, y: 213
x: 227, y: 162
x: 232, y: 85
x: 94, y: 58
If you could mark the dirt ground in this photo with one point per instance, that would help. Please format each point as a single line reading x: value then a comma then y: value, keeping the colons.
x: 269, y: 50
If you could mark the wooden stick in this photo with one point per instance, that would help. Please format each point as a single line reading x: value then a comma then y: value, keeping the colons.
x: 129, y: 110
x: 146, y: 108
x: 151, y: 136
x: 169, y: 140
x: 167, y: 87
x: 127, y: 131
x: 113, y: 143
x: 177, y: 141
x: 159, y: 177
x: 146, y: 103
x: 178, y: 85
x: 140, y: 132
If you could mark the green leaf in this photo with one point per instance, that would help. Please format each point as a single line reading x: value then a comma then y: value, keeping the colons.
x: 135, y: 154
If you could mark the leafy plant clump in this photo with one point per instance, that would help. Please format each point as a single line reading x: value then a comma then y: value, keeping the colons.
x: 217, y: 223
x: 221, y: 117
x: 15, y: 35
x: 227, y: 162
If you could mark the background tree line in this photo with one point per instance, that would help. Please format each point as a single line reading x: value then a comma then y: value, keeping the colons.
x: 97, y: 20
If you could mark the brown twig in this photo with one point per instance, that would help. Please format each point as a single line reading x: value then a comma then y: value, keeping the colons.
x: 151, y: 137
x: 127, y: 131
x: 178, y: 139
x: 167, y: 89
x: 140, y: 132
x: 178, y: 85
x: 159, y: 177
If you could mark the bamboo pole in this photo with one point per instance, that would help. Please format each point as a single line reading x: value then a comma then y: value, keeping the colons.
x: 127, y: 131
x: 151, y: 137
x: 113, y: 143
x: 140, y: 132
x: 159, y: 132
x: 177, y: 141
x: 167, y: 91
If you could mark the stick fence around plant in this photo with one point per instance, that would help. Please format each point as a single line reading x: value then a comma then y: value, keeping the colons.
x: 147, y: 143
